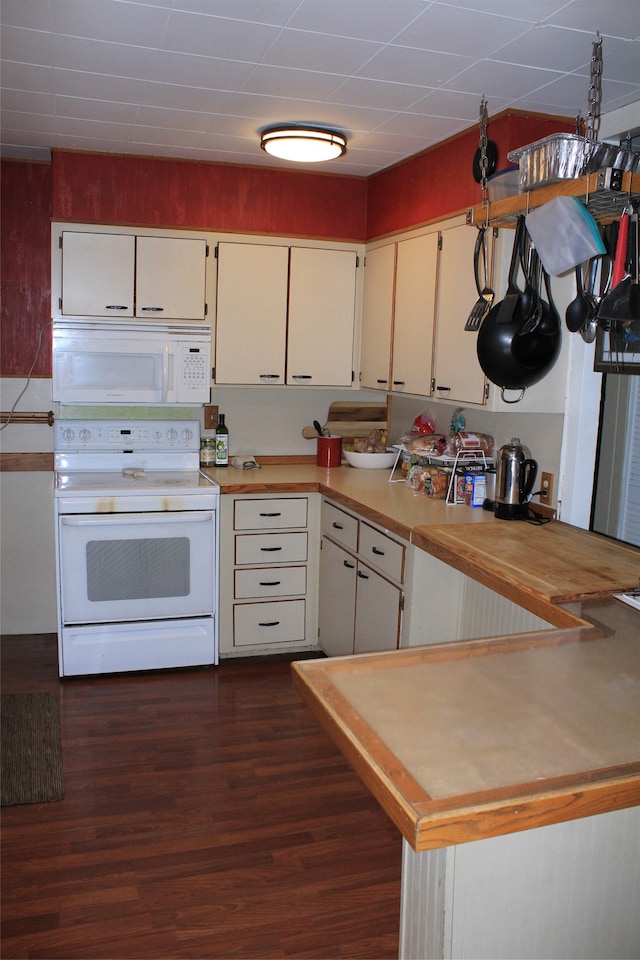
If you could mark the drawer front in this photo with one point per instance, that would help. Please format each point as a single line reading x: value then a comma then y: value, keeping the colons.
x: 271, y: 548
x: 270, y: 514
x: 259, y: 623
x: 381, y: 551
x: 340, y: 526
x: 270, y: 582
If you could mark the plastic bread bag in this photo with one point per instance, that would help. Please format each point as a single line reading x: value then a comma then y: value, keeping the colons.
x: 564, y: 234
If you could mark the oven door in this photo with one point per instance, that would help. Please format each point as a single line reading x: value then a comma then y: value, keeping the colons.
x: 137, y: 566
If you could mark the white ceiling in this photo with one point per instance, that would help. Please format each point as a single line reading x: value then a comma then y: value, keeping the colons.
x: 200, y: 78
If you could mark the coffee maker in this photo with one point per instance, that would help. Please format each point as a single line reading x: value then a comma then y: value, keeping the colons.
x: 516, y: 474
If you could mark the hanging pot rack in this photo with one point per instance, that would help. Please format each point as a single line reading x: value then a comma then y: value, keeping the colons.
x: 604, y: 204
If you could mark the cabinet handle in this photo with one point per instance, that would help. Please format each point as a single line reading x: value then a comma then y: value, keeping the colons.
x: 116, y: 306
x: 270, y: 583
x: 349, y: 566
x: 363, y: 576
x: 269, y: 376
x: 276, y: 514
x: 153, y: 309
x: 378, y: 553
x: 301, y: 376
x: 337, y: 526
x: 438, y: 387
x: 270, y: 549
x: 269, y: 623
x: 381, y: 381
x: 398, y: 383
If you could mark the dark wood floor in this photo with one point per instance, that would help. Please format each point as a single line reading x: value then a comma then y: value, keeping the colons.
x: 206, y: 814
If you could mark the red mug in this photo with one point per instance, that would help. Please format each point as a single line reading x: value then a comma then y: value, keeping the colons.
x: 329, y: 452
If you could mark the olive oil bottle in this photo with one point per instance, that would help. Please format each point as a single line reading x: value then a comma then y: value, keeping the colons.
x: 222, y: 443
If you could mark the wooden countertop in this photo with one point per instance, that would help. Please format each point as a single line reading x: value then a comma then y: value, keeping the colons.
x: 391, y: 505
x: 469, y: 740
x: 475, y: 739
x: 538, y: 567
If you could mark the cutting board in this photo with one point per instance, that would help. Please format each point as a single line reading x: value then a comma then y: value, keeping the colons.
x: 351, y: 419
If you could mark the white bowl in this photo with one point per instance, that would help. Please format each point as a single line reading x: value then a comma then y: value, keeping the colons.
x: 370, y: 461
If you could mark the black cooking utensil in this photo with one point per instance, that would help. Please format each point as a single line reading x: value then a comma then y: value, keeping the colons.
x: 577, y: 312
x: 486, y: 295
x: 512, y: 297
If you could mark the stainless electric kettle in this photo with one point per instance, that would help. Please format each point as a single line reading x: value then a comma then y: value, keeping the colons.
x: 516, y: 474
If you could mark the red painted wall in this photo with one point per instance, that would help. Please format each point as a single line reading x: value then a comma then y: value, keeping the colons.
x: 439, y: 182
x: 104, y: 188
x: 25, y: 266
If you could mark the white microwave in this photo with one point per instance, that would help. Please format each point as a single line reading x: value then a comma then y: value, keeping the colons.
x: 102, y: 362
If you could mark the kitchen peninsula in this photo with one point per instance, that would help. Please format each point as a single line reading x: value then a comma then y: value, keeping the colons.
x: 510, y: 765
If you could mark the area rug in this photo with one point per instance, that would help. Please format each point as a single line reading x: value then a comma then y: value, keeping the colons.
x: 31, y: 751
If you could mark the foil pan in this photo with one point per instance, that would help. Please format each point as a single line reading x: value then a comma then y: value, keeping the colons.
x: 566, y: 156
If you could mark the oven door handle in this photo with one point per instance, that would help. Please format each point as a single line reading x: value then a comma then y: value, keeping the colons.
x: 128, y: 519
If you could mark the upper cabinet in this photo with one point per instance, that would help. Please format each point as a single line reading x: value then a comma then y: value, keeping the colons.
x: 398, y: 316
x: 457, y: 374
x: 322, y: 304
x: 123, y: 275
x: 251, y: 309
x: 418, y: 292
x: 285, y: 315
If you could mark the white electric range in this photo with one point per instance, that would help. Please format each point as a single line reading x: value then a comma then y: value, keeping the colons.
x: 137, y: 546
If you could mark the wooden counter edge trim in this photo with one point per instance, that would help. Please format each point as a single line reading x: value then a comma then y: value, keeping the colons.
x: 511, y: 589
x: 26, y: 462
x: 330, y: 709
x: 495, y: 819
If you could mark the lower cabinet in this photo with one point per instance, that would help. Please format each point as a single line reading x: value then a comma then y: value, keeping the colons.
x: 360, y: 607
x: 268, y: 573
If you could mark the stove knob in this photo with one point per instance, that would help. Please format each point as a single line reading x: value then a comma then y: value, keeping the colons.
x: 157, y: 435
x: 68, y: 434
x: 187, y: 434
x: 172, y: 434
x: 85, y: 434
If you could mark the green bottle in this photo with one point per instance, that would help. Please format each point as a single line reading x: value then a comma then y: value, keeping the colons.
x: 222, y: 443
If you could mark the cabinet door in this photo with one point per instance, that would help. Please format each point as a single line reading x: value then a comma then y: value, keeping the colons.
x: 377, y: 317
x: 251, y: 313
x: 322, y: 292
x: 336, y: 608
x: 170, y: 278
x: 378, y: 612
x: 97, y: 274
x: 458, y: 375
x: 414, y: 315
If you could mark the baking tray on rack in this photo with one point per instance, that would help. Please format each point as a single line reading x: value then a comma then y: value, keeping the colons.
x: 567, y: 156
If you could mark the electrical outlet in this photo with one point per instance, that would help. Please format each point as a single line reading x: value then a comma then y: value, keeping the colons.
x: 210, y: 417
x: 546, y: 486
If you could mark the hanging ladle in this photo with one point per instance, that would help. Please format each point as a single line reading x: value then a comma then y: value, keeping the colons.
x: 578, y: 311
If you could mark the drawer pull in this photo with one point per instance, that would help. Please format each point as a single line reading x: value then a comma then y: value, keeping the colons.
x: 337, y: 526
x: 270, y: 623
x: 363, y: 576
x: 154, y: 309
x: 301, y: 376
x: 274, y: 514
x: 349, y: 566
x: 270, y: 583
x: 378, y: 553
x: 270, y: 549
x: 115, y: 306
x: 269, y: 376
x: 381, y: 381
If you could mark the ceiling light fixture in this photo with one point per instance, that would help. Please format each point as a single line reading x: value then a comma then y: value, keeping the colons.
x: 303, y: 144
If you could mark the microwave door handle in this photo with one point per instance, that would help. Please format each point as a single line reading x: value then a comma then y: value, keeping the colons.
x: 165, y: 372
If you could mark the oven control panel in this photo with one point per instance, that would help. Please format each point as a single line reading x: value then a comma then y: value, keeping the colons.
x: 119, y: 435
